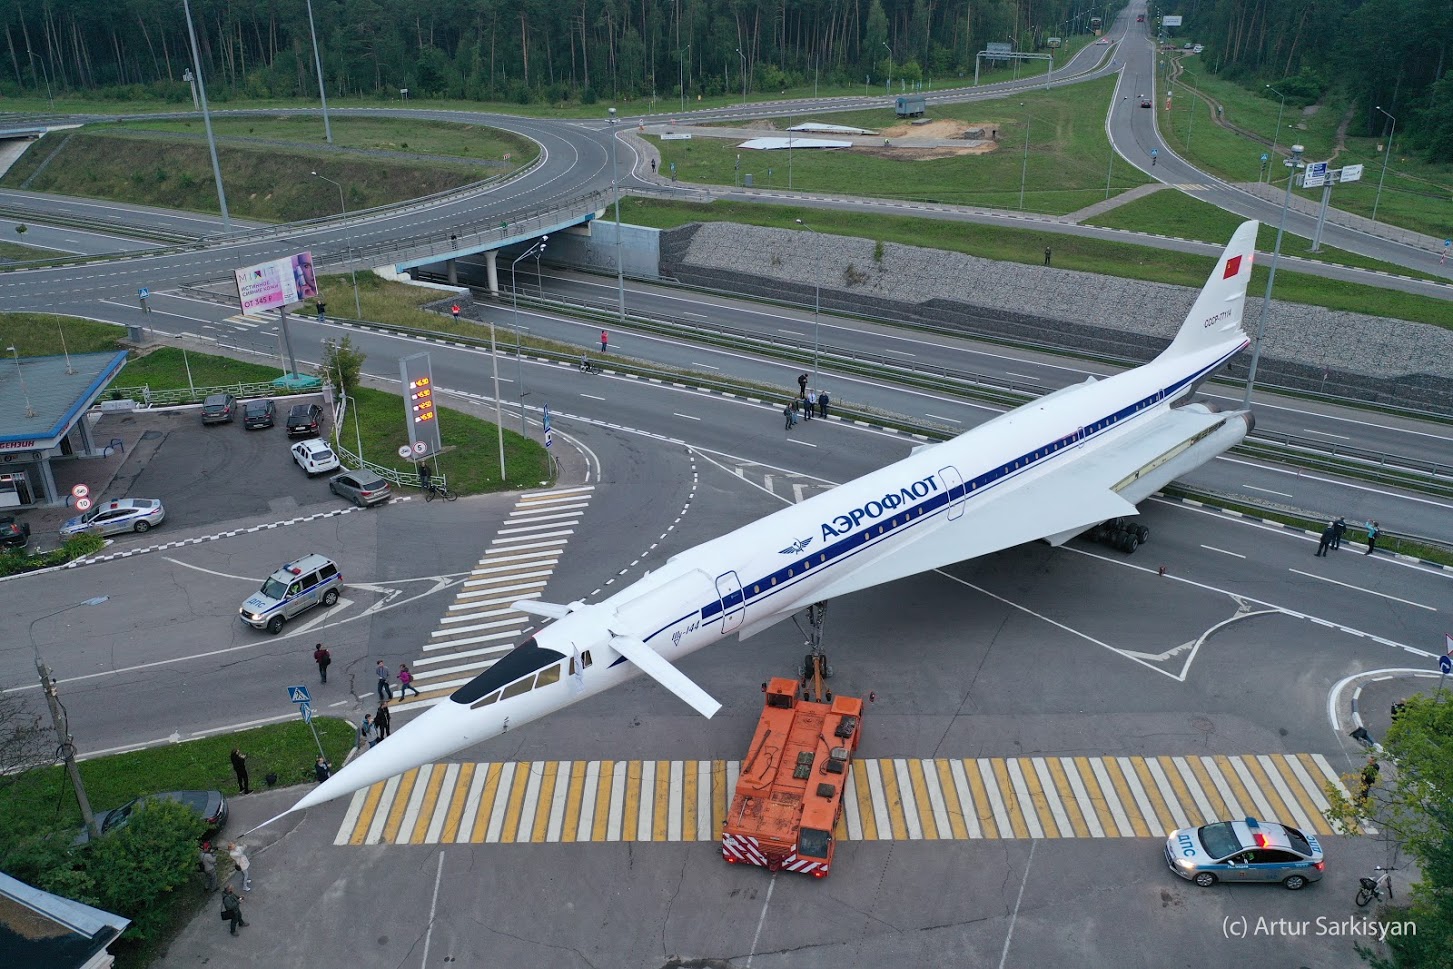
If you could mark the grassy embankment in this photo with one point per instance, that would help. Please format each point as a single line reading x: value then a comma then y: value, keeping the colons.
x: 165, y: 163
x: 471, y: 446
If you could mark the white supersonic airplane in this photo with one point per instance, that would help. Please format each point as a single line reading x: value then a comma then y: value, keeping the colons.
x: 1048, y: 470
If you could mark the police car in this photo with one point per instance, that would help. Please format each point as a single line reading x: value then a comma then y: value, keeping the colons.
x: 110, y: 517
x: 1245, y: 851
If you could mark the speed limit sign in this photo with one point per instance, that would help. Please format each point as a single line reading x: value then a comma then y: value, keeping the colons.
x: 80, y: 491
x: 83, y: 504
x: 420, y: 447
x: 403, y: 450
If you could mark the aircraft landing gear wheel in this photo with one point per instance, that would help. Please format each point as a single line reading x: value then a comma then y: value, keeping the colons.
x: 1142, y: 533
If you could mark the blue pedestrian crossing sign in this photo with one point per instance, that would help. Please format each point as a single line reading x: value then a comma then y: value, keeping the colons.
x: 299, y: 694
x: 549, y: 437
x: 143, y: 292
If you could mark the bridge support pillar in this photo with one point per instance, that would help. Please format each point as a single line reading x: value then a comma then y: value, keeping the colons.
x: 492, y: 272
x: 451, y: 266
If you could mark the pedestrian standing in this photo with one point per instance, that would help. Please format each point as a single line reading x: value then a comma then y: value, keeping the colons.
x: 806, y: 409
x: 323, y: 658
x: 802, y: 386
x: 208, y: 860
x: 788, y: 416
x: 1326, y: 543
x: 811, y: 403
x: 1373, y: 530
x: 455, y: 310
x: 232, y: 909
x: 385, y: 692
x: 322, y: 769
x: 322, y: 310
x: 239, y: 767
x: 1369, y: 777
x: 382, y: 720
x: 604, y: 340
x: 1339, y: 527
x: 822, y: 402
x: 368, y: 733
x: 406, y: 682
x: 239, y: 858
x: 1046, y: 255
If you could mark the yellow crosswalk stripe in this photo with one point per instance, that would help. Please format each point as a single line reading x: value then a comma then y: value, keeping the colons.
x: 897, y: 799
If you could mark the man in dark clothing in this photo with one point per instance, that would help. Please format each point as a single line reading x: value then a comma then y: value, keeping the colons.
x: 822, y: 402
x: 381, y: 720
x: 802, y: 386
x: 239, y: 767
x: 322, y: 769
x: 1328, y: 534
x: 323, y: 658
x: 232, y: 908
x: 385, y: 691
x: 1338, y: 528
x: 1369, y: 777
x: 788, y: 416
x: 1046, y: 255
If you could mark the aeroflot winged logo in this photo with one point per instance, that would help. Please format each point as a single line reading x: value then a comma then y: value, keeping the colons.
x: 798, y: 546
x: 905, y: 497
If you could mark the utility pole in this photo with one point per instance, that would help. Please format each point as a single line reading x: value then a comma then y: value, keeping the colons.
x: 68, y: 748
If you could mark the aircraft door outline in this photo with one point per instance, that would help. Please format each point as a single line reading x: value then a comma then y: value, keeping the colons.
x: 952, y: 482
x: 733, y: 603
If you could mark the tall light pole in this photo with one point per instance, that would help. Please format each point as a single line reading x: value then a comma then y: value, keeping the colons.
x: 1286, y: 202
x: 615, y: 188
x: 29, y: 411
x: 1024, y: 165
x: 343, y: 206
x: 816, y: 299
x: 681, y: 70
x: 58, y: 715
x: 536, y: 250
x: 50, y: 100
x: 1277, y: 133
x: 889, y: 87
x: 207, y: 119
x: 1386, y: 150
x: 744, y: 76
x: 318, y: 63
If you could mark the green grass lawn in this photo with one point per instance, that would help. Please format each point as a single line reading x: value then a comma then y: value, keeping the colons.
x: 42, y: 799
x: 18, y: 252
x: 1027, y: 246
x: 43, y: 334
x: 165, y: 368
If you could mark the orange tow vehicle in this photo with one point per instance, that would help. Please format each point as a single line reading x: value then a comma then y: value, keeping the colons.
x: 789, y: 794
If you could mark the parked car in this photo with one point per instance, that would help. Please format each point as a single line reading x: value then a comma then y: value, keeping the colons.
x: 13, y: 534
x: 305, y: 419
x: 315, y: 457
x: 218, y: 408
x: 211, y: 806
x: 363, y: 488
x: 111, y: 517
x: 258, y: 413
x: 295, y: 588
x: 1245, y: 851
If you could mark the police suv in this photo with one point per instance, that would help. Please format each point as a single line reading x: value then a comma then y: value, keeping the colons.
x: 1245, y: 851
x: 294, y: 588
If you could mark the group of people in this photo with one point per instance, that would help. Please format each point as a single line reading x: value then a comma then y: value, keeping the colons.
x: 231, y: 901
x: 1332, y: 535
x: 810, y: 402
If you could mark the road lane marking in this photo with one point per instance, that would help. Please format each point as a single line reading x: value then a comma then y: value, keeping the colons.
x: 1358, y: 588
x: 940, y: 417
x: 686, y: 416
x: 1212, y: 548
x: 1267, y: 491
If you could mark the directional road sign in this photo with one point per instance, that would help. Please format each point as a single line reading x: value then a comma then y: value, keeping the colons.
x: 299, y: 694
x: 306, y: 709
x: 549, y: 436
x: 1445, y: 664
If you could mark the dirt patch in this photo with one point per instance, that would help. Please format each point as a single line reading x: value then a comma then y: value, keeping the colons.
x: 942, y: 128
x: 906, y: 141
x: 923, y: 154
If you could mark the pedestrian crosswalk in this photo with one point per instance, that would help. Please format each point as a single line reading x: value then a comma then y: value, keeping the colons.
x: 245, y: 322
x: 480, y: 626
x: 886, y: 799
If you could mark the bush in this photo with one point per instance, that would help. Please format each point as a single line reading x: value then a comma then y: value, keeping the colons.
x: 16, y: 561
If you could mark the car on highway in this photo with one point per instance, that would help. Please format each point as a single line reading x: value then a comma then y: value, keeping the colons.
x: 315, y: 456
x: 1245, y: 851
x: 304, y: 419
x: 258, y: 413
x: 113, y: 517
x: 294, y: 588
x: 210, y: 806
x: 1144, y: 101
x: 218, y: 409
x: 363, y: 488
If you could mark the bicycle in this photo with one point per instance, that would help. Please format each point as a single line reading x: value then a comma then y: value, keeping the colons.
x: 1379, y: 888
x: 585, y: 366
x: 432, y: 491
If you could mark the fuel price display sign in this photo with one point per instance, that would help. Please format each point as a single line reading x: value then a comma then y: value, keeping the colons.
x: 420, y: 411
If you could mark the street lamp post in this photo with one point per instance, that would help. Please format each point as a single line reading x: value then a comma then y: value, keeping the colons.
x: 207, y: 119
x: 29, y: 411
x: 1024, y: 165
x: 1286, y: 202
x: 744, y: 76
x: 538, y: 249
x: 889, y: 87
x: 615, y: 188
x: 816, y: 299
x: 343, y: 206
x: 681, y: 73
x: 1277, y: 133
x: 50, y: 100
x: 58, y: 715
x: 318, y: 64
x: 1386, y: 151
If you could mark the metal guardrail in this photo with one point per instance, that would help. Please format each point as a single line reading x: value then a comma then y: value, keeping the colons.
x: 195, y: 395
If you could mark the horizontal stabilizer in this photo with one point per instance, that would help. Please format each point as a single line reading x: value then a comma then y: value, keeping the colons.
x: 549, y: 610
x: 658, y: 668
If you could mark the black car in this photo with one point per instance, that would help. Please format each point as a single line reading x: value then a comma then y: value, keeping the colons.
x: 13, y: 534
x: 258, y: 413
x: 210, y: 806
x: 218, y: 409
x: 304, y: 420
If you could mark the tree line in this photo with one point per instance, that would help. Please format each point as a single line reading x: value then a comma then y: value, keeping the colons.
x: 1380, y: 53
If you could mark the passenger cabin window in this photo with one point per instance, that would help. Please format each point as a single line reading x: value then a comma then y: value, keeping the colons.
x: 328, y: 571
x: 310, y: 580
x: 585, y: 659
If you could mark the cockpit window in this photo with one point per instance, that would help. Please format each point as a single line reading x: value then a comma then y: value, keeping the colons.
x: 550, y: 674
x: 520, y: 662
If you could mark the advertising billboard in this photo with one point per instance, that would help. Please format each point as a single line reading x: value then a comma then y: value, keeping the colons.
x: 420, y: 413
x: 277, y: 283
x: 1171, y: 21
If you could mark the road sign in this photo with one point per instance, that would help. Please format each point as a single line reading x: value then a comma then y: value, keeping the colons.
x: 1315, y: 175
x: 81, y: 491
x: 1351, y: 173
x: 1154, y: 152
x: 1445, y: 664
x: 420, y: 447
x: 299, y: 694
x: 419, y: 410
x: 83, y: 504
x: 1264, y: 157
x: 306, y: 709
x: 549, y: 436
x: 143, y: 292
x: 404, y: 451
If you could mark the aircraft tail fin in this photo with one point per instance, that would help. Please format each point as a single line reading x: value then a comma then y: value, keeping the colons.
x: 1215, y: 319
